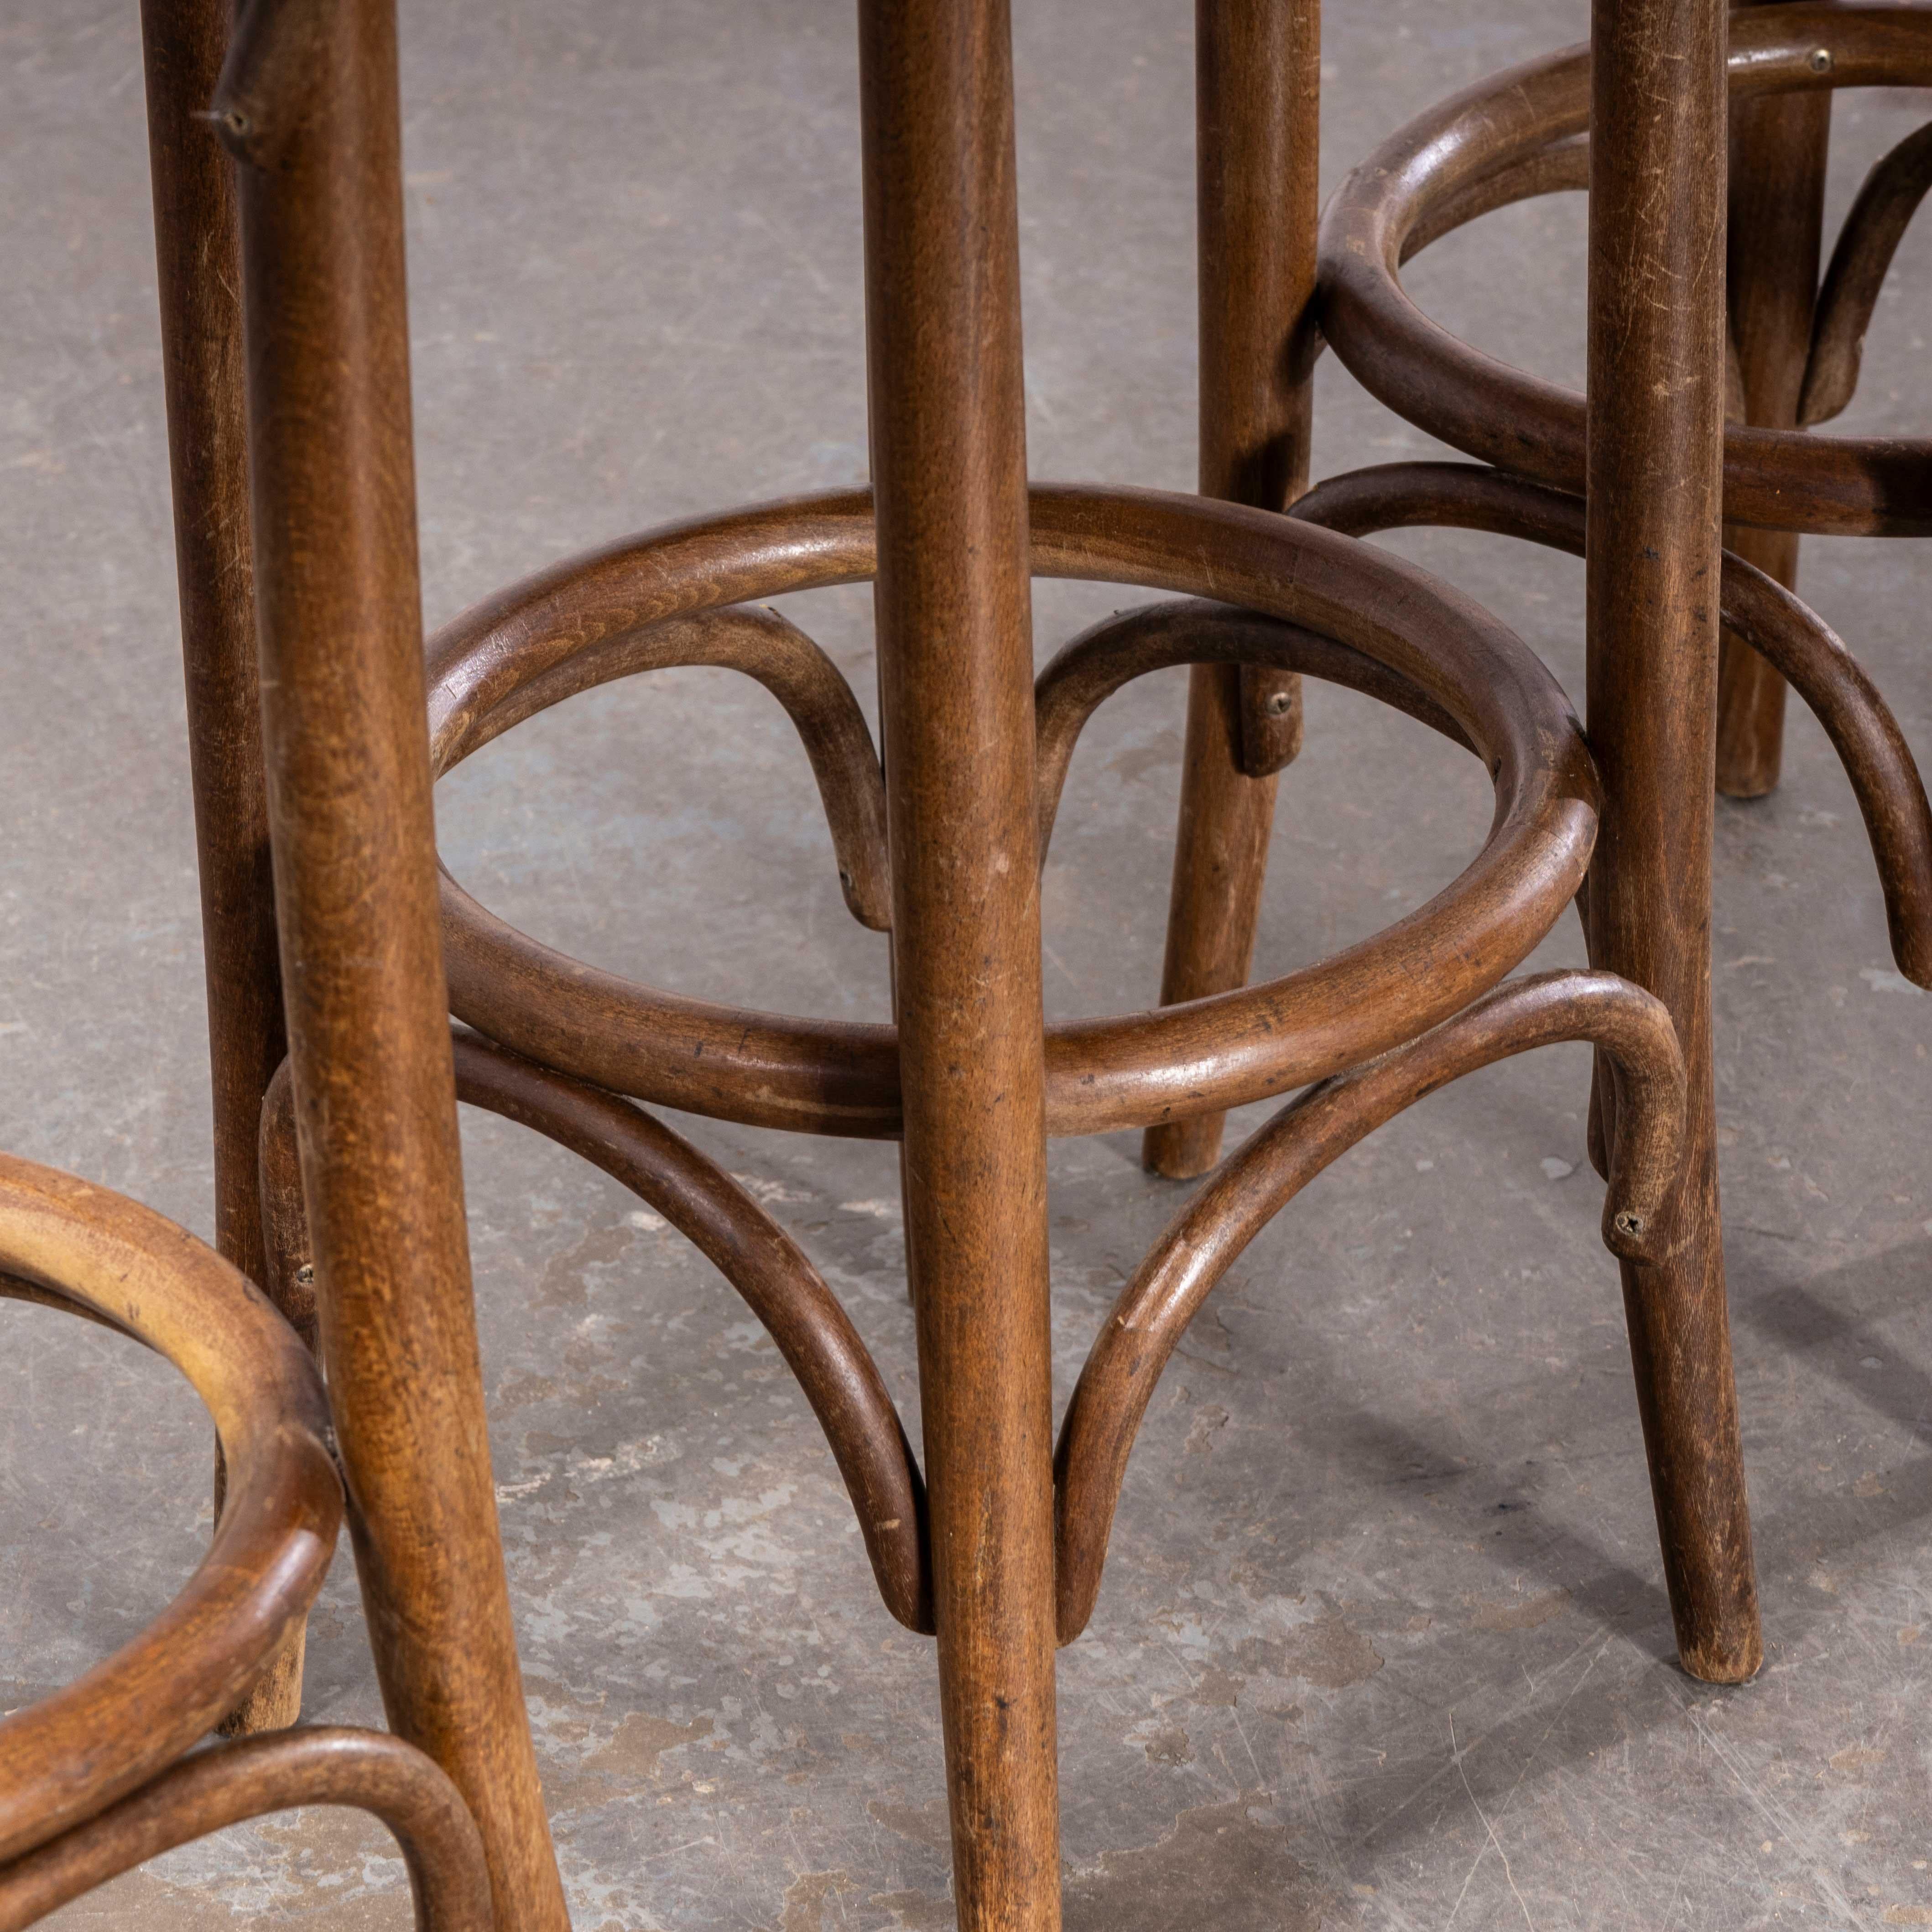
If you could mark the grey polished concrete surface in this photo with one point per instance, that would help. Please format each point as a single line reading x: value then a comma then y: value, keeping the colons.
x: 1383, y: 1642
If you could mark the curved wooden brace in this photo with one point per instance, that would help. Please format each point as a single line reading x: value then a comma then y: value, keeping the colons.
x: 1785, y: 632
x: 1087, y: 670
x: 74, y: 1752
x: 17, y: 1288
x: 1261, y: 1178
x: 369, y: 1771
x: 1563, y: 167
x: 778, y: 1282
x: 1505, y: 137
x: 765, y: 647
x: 1886, y: 202
x: 1197, y: 1057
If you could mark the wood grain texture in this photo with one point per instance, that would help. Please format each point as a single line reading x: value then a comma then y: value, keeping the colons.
x: 1773, y: 235
x: 369, y: 1771
x: 1257, y: 86
x: 70, y: 1754
x: 952, y: 598
x: 1277, y: 1161
x: 308, y: 103
x: 198, y: 263
x: 1755, y: 612
x: 1656, y: 465
x: 1129, y: 1070
x: 1452, y: 156
x: 1886, y: 201
x: 198, y: 268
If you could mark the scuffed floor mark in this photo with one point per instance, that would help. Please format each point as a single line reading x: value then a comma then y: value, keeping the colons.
x: 1217, y: 1689
x: 563, y: 1283
x: 804, y: 1899
x: 641, y: 1740
x: 1525, y: 1613
x: 1164, y: 1744
x: 1854, y: 1760
x: 1328, y: 1651
x: 1221, y: 1866
x: 927, y: 1825
x: 916, y: 1911
x: 1208, y: 1424
x: 1883, y: 979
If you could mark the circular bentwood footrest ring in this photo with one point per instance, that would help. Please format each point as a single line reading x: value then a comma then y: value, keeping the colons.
x: 82, y: 1249
x: 1329, y: 605
x: 1524, y: 132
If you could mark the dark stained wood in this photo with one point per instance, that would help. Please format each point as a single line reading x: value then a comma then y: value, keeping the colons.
x: 357, y: 1224
x: 308, y: 104
x: 765, y: 647
x: 368, y: 1770
x: 1656, y: 465
x: 198, y: 262
x: 1257, y: 85
x: 1874, y: 226
x: 826, y: 1076
x: 1089, y: 669
x: 815, y: 1336
x: 76, y: 1750
x: 1317, y: 1127
x: 1773, y: 478
x: 1778, y: 147
x: 948, y: 427
x: 198, y: 267
x: 1756, y: 611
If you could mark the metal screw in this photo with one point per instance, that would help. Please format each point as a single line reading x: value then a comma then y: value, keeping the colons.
x: 305, y: 1275
x: 1280, y: 702
x: 1821, y: 60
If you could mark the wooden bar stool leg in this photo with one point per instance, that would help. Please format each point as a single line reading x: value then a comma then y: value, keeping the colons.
x: 198, y: 256
x: 1779, y: 145
x: 1258, y: 108
x: 954, y: 604
x: 198, y: 263
x: 1656, y: 403
x: 309, y: 102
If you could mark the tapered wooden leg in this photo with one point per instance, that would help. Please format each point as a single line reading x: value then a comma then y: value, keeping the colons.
x: 198, y: 264
x: 1258, y: 103
x: 198, y: 258
x: 1779, y: 144
x: 1657, y: 393
x: 309, y: 102
x: 949, y: 469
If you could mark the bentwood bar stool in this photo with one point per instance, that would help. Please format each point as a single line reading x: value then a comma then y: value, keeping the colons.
x: 337, y: 954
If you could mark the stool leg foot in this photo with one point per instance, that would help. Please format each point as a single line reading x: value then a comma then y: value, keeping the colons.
x: 1681, y: 1350
x: 1657, y: 390
x: 948, y: 430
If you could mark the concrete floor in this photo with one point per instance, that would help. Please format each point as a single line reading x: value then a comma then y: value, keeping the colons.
x: 1383, y: 1642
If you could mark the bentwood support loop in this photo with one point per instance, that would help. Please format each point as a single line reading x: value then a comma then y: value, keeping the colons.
x: 70, y: 1755
x: 938, y: 834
